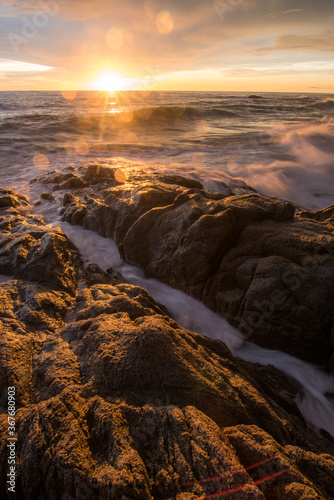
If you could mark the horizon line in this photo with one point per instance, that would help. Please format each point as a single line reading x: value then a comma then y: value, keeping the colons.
x: 170, y: 90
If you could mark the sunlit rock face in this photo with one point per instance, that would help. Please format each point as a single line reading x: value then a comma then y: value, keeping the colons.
x: 31, y: 251
x: 269, y: 272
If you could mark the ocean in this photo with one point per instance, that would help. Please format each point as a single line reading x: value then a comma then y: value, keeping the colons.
x: 279, y: 144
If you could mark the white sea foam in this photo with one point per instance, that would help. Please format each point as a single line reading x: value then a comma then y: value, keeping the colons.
x: 306, y: 176
x: 193, y: 315
x: 291, y: 162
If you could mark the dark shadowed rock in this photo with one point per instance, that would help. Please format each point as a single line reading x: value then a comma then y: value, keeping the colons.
x: 47, y: 196
x: 94, y: 275
x: 180, y: 181
x: 325, y: 215
x: 8, y: 198
x: 72, y: 182
x: 276, y: 286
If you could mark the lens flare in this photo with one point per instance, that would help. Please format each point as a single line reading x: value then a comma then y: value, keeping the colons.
x: 69, y: 95
x: 68, y: 146
x: 120, y: 176
x: 41, y: 161
x: 202, y: 127
x: 100, y: 147
x: 126, y: 116
x: 150, y: 9
x: 165, y: 22
x: 81, y: 147
x: 232, y: 473
x: 238, y: 488
x: 127, y: 37
x: 114, y: 38
x: 125, y: 136
x: 61, y: 138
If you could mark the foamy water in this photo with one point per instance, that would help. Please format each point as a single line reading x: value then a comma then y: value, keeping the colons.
x: 303, y: 171
x: 316, y: 407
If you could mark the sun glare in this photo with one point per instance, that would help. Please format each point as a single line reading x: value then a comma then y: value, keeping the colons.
x: 111, y: 82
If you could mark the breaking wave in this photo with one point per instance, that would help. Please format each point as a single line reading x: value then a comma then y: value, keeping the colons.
x: 299, y: 166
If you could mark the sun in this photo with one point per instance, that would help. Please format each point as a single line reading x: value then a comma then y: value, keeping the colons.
x: 111, y: 82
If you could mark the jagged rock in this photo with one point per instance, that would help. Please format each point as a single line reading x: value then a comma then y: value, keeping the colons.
x: 276, y: 286
x: 97, y: 172
x: 121, y: 402
x: 68, y: 199
x: 8, y: 201
x: 47, y: 196
x: 79, y: 209
x: 94, y: 275
x: 31, y: 251
x: 181, y: 181
x: 72, y: 182
x: 56, y: 177
x: 246, y: 257
x: 66, y: 179
x: 29, y: 314
x: 8, y: 198
x: 325, y: 215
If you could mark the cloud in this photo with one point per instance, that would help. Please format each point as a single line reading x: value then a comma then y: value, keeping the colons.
x: 284, y: 12
x: 73, y: 37
x: 18, y: 66
x: 280, y: 70
x: 323, y: 42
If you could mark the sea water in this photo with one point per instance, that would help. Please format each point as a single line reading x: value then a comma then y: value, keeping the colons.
x: 279, y: 144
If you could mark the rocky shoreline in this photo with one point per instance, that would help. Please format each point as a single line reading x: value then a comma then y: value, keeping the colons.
x: 114, y: 400
x: 269, y: 272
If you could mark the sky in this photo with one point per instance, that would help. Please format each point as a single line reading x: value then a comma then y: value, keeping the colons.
x: 219, y: 45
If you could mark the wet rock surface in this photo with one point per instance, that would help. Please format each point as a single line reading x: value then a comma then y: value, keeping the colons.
x: 114, y: 400
x: 32, y: 251
x: 269, y: 272
x: 8, y: 198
